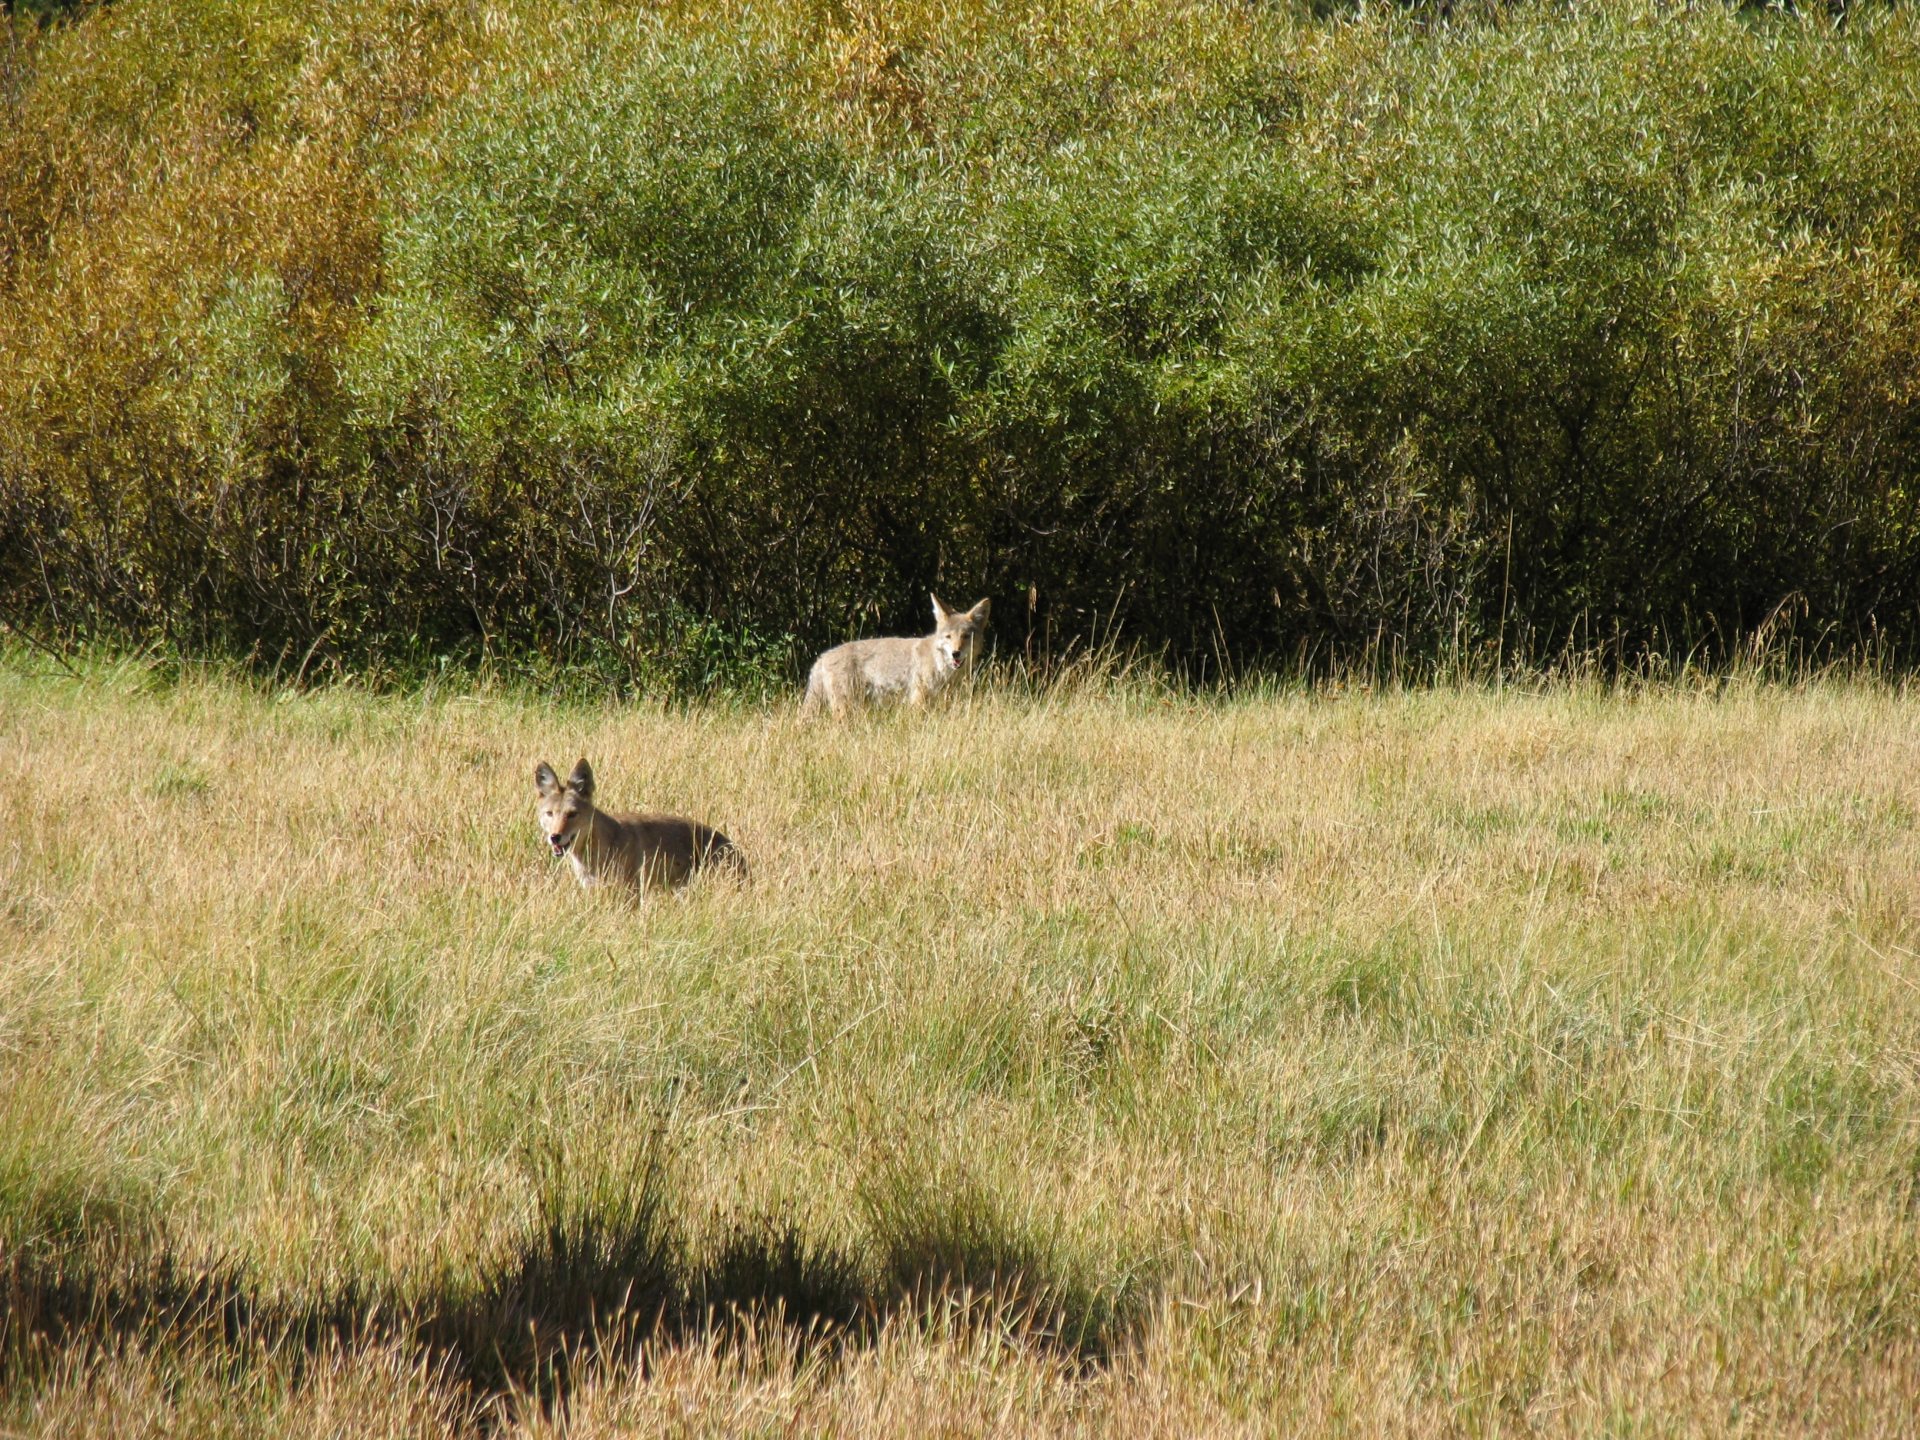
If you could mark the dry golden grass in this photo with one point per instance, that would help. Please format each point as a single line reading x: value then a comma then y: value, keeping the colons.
x: 1448, y: 1060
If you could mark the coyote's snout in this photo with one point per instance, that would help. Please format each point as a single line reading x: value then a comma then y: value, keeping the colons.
x: 864, y: 670
x: 632, y: 849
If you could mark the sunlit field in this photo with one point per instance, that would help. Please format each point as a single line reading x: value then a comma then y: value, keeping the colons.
x: 1102, y: 1060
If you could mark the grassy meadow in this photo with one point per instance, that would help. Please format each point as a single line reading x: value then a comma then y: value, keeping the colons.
x: 1100, y: 1060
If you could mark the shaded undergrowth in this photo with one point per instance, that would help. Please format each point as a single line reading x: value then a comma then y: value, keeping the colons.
x: 605, y: 1263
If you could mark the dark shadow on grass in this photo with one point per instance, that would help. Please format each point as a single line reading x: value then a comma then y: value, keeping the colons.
x: 943, y: 1237
x: 766, y: 1267
x: 604, y: 1263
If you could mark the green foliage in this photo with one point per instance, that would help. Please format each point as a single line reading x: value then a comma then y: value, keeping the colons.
x: 1247, y: 336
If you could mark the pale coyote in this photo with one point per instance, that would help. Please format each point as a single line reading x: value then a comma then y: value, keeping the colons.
x: 864, y: 670
x: 638, y: 850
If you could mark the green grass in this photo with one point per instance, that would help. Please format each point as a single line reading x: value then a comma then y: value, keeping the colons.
x: 1459, y: 1059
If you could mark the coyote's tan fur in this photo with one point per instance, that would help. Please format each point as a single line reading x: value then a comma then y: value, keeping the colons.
x: 862, y: 670
x: 629, y: 849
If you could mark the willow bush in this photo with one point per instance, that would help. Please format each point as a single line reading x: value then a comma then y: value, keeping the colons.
x: 672, y: 343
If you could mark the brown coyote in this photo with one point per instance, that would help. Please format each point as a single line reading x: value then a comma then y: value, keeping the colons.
x: 638, y: 850
x: 861, y: 670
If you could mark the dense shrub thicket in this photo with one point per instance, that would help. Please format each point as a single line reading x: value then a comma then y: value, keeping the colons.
x: 672, y: 343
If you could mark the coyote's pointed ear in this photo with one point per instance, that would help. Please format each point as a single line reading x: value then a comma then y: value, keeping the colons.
x: 580, y: 782
x: 940, y: 612
x: 978, y: 614
x: 544, y: 780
